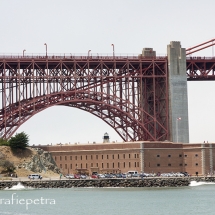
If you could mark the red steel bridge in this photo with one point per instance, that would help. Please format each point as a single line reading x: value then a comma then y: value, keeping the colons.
x: 129, y: 93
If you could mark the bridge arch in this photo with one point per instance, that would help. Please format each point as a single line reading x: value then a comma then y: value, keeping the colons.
x: 111, y: 110
x: 128, y: 93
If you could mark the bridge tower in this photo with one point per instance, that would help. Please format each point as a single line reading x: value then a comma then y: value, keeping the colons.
x: 178, y: 101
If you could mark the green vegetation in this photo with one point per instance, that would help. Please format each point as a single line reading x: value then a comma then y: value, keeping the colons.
x: 3, y: 142
x: 19, y: 141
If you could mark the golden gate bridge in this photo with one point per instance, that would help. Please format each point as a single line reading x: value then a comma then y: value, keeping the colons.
x: 132, y: 94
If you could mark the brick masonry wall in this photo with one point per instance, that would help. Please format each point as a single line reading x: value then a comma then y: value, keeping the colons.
x: 122, y: 157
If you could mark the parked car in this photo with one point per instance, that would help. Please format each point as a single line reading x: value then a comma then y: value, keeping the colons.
x: 135, y: 175
x: 152, y: 174
x: 123, y: 175
x: 77, y: 176
x: 179, y: 174
x: 185, y: 174
x: 128, y: 175
x: 132, y: 172
x: 164, y: 174
x: 101, y: 176
x: 35, y: 176
x: 143, y: 175
x: 69, y: 176
x: 113, y: 175
x: 107, y: 175
x: 83, y: 176
x: 94, y: 176
x: 119, y: 175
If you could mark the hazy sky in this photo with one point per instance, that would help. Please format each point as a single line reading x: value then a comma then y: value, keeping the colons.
x: 71, y: 26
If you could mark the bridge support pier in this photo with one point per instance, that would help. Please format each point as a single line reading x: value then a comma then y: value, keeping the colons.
x: 178, y: 101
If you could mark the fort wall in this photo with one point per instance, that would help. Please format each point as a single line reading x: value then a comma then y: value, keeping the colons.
x: 155, y: 157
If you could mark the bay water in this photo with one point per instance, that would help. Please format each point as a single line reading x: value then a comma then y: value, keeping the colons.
x: 198, y: 198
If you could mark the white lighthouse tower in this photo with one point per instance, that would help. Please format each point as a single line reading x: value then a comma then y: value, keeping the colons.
x: 106, y: 138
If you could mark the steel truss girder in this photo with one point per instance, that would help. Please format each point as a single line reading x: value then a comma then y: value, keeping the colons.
x: 200, y: 69
x: 129, y: 95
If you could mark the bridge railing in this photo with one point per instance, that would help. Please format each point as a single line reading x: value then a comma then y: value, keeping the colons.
x: 91, y: 56
x: 199, y: 58
x: 75, y: 56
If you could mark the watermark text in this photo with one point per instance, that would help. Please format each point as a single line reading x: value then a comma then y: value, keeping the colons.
x: 15, y: 200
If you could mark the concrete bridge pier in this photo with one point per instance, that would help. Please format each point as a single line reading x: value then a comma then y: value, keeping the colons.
x: 178, y: 101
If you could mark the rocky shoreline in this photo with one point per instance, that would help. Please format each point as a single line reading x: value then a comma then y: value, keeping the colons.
x: 133, y: 182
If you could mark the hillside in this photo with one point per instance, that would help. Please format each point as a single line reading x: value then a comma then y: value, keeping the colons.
x: 29, y: 161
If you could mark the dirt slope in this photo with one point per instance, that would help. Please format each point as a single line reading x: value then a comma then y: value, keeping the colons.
x: 19, y: 158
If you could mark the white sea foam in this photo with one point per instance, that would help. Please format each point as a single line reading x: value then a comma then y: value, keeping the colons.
x: 195, y: 183
x: 87, y: 187
x: 19, y: 186
x: 113, y: 187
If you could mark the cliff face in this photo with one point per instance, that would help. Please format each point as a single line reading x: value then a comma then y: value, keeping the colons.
x: 28, y: 161
x: 42, y: 161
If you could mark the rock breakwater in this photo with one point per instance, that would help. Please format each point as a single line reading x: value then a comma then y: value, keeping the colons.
x: 145, y: 182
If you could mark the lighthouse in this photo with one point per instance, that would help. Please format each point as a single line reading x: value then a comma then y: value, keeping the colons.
x: 106, y: 138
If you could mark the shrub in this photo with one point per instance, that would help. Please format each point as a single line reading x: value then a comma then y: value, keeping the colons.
x: 19, y: 141
x: 3, y: 142
x: 7, y: 165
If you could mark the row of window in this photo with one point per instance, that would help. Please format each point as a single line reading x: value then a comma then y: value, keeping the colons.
x: 179, y: 164
x: 196, y: 155
x: 112, y: 157
x: 180, y: 155
x: 108, y: 165
x: 97, y: 157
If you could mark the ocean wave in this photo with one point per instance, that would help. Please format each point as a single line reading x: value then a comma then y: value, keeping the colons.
x: 195, y: 183
x: 19, y: 186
